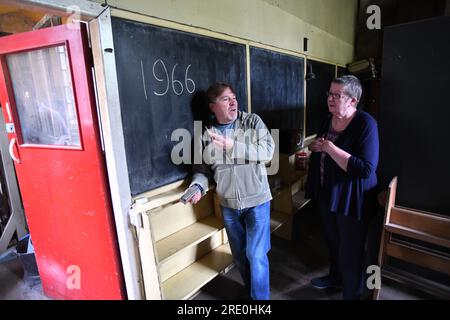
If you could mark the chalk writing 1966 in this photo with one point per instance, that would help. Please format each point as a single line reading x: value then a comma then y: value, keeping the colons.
x: 161, y: 74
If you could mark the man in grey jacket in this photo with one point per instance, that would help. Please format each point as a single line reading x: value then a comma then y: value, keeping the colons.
x: 235, y: 149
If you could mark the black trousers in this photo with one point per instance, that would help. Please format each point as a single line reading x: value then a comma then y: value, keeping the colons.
x: 345, y: 237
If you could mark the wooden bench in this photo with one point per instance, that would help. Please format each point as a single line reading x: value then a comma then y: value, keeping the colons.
x: 428, y: 248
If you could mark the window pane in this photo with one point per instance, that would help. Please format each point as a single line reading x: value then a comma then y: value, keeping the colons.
x: 42, y: 86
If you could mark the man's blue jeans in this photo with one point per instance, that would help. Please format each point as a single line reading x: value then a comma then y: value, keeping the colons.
x: 248, y: 233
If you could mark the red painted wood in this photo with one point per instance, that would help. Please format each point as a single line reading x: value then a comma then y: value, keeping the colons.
x: 65, y: 191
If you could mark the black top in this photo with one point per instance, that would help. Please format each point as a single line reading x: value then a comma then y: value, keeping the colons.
x: 352, y: 192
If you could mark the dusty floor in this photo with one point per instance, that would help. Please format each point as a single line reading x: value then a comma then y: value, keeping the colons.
x: 292, y: 265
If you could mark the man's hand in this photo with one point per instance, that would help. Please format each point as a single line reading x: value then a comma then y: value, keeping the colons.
x: 196, y: 198
x: 221, y: 142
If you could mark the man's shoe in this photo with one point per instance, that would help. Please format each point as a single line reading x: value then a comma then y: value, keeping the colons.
x: 325, y: 283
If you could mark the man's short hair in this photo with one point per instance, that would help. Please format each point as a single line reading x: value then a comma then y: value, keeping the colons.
x: 352, y: 85
x: 216, y: 90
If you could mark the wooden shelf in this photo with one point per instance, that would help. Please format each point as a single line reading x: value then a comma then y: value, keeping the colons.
x: 187, y: 237
x: 296, y: 175
x: 277, y: 218
x: 171, y: 195
x: 276, y: 191
x: 162, y: 199
x: 299, y: 201
x: 188, y: 281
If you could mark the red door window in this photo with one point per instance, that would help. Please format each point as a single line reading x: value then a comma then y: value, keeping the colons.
x: 44, y: 98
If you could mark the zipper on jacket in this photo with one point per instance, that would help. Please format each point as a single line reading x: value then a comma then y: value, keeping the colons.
x: 238, y: 196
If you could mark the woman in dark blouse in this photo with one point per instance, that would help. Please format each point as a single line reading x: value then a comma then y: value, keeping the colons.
x: 342, y: 179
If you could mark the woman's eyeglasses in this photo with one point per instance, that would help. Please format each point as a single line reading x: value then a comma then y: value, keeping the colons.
x: 336, y: 96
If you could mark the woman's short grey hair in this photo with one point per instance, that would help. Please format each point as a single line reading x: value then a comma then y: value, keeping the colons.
x: 352, y: 85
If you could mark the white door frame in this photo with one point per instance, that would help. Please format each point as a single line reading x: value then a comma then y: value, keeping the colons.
x: 108, y: 107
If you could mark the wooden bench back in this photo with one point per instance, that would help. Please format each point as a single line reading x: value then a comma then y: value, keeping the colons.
x: 427, y: 228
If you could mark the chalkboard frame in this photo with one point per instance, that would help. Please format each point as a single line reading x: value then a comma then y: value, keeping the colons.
x: 316, y: 111
x: 279, y: 102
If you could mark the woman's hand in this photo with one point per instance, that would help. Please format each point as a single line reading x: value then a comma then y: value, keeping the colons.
x: 316, y: 145
x: 327, y: 146
x: 337, y: 154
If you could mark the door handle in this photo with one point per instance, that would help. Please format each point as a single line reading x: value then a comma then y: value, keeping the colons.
x: 11, y: 150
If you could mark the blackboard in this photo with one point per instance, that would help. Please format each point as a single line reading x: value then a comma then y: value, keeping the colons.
x: 316, y: 99
x: 414, y: 114
x: 277, y: 91
x: 341, y: 71
x: 160, y: 73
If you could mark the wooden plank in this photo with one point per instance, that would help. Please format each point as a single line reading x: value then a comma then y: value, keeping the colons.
x: 296, y: 176
x: 15, y: 22
x: 277, y: 218
x: 191, y: 279
x: 427, y: 285
x: 425, y: 223
x: 419, y: 257
x: 181, y: 185
x: 159, y: 200
x: 172, y: 218
x: 224, y: 236
x: 392, y: 193
x: 283, y: 202
x: 217, y: 209
x: 86, y: 9
x: 285, y: 167
x: 296, y: 186
x: 116, y: 162
x: 187, y: 237
x: 415, y: 234
x: 169, y: 194
x: 148, y: 262
x: 285, y: 230
x: 390, y: 202
x: 275, y: 192
x: 299, y: 201
x: 176, y: 263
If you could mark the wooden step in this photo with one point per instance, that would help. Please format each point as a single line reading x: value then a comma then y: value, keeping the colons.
x: 163, y: 196
x: 187, y: 237
x: 188, y: 281
x: 299, y: 201
x: 277, y: 218
x: 296, y: 175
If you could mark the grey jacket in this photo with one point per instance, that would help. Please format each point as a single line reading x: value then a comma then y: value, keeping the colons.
x: 240, y: 174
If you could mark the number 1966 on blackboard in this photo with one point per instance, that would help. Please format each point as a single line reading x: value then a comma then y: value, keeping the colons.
x: 161, y: 74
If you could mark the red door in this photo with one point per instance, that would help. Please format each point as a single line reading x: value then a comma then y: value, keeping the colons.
x: 47, y: 98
